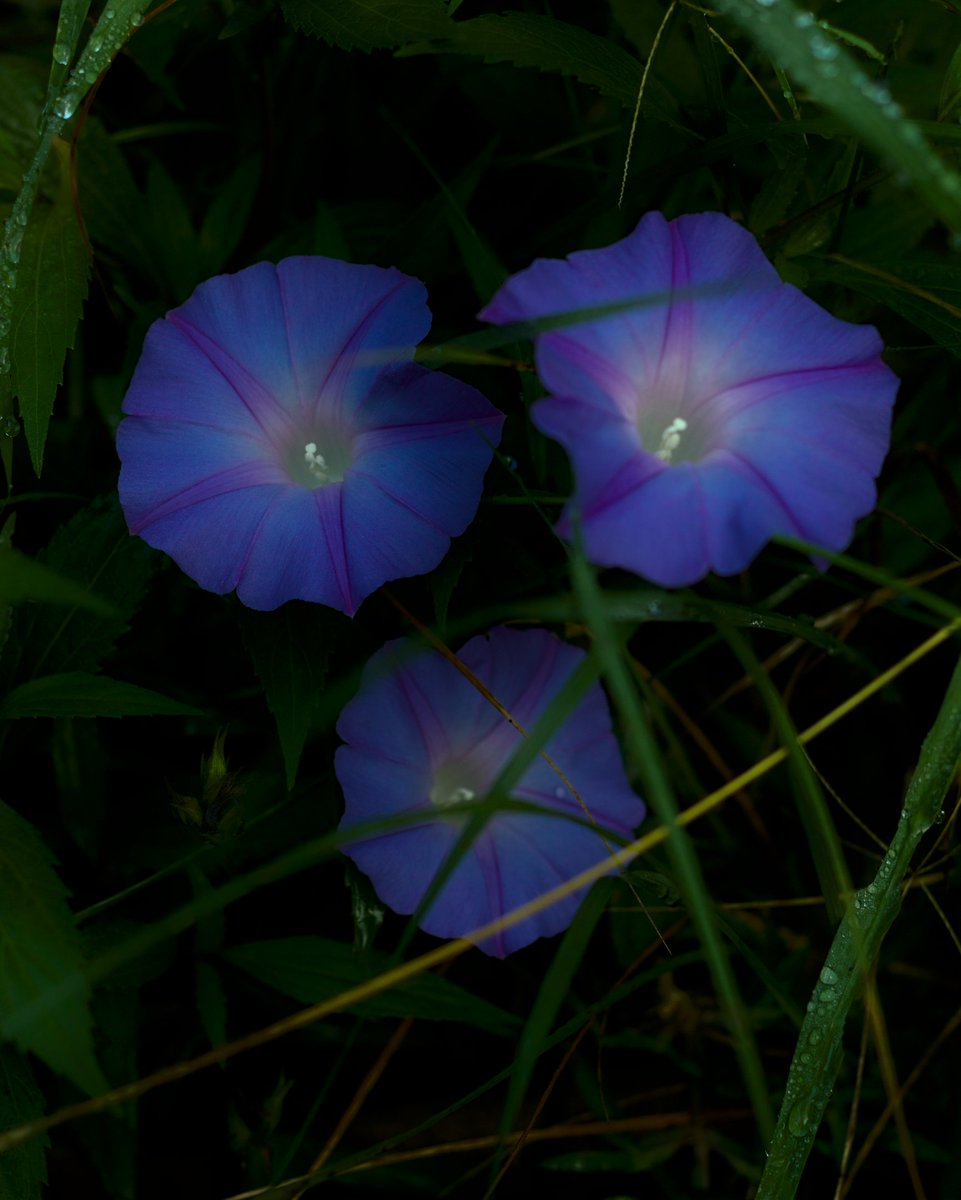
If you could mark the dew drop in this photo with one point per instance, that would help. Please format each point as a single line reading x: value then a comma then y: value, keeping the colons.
x: 799, y: 1118
x: 66, y: 106
x: 108, y: 14
x: 876, y: 92
x: 136, y: 19
x: 560, y: 793
x: 804, y: 20
x: 828, y: 977
x: 823, y: 49
x: 61, y: 53
x: 9, y: 426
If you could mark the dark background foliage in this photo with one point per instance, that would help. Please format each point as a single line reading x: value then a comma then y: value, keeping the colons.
x: 172, y: 902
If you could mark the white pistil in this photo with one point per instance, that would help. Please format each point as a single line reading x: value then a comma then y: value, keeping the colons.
x: 459, y: 795
x: 316, y: 463
x: 671, y: 439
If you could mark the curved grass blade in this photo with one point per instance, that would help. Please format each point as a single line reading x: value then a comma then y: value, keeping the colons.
x: 686, y: 868
x: 821, y: 65
x: 856, y: 944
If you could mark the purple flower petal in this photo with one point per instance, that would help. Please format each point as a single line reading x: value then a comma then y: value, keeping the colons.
x: 725, y: 410
x: 421, y: 739
x: 279, y: 441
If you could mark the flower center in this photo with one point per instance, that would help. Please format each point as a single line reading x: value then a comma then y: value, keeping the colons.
x: 444, y: 798
x: 674, y: 439
x: 314, y: 463
x: 455, y: 783
x: 671, y: 439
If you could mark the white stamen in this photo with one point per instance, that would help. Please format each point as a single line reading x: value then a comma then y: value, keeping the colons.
x: 459, y: 795
x: 671, y: 439
x: 316, y: 463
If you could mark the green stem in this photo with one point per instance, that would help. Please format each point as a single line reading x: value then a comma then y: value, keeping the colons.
x: 680, y: 848
x: 115, y: 25
x: 856, y: 945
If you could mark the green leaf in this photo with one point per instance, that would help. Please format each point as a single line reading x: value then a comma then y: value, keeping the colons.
x: 926, y: 294
x: 289, y: 649
x: 171, y: 231
x: 112, y: 205
x: 530, y: 40
x: 223, y: 226
x: 21, y: 98
x: 95, y: 550
x: 551, y: 994
x: 23, y: 1169
x: 70, y: 21
x: 820, y: 64
x: 211, y: 1003
x: 79, y: 694
x: 44, y: 1001
x: 368, y: 24
x: 950, y: 100
x: 313, y: 969
x: 51, y: 289
x: 23, y: 578
x: 647, y: 1153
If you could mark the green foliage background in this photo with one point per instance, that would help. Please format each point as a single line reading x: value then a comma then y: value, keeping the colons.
x: 169, y: 880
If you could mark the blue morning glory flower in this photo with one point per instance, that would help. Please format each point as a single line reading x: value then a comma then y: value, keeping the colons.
x: 729, y: 409
x: 280, y: 440
x: 421, y: 739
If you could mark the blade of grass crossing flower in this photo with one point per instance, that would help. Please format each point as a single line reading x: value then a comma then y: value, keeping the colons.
x: 510, y: 332
x: 533, y: 744
x: 308, y: 855
x: 855, y: 946
x: 658, y: 792
x: 829, y: 861
x: 817, y: 61
x: 550, y: 996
